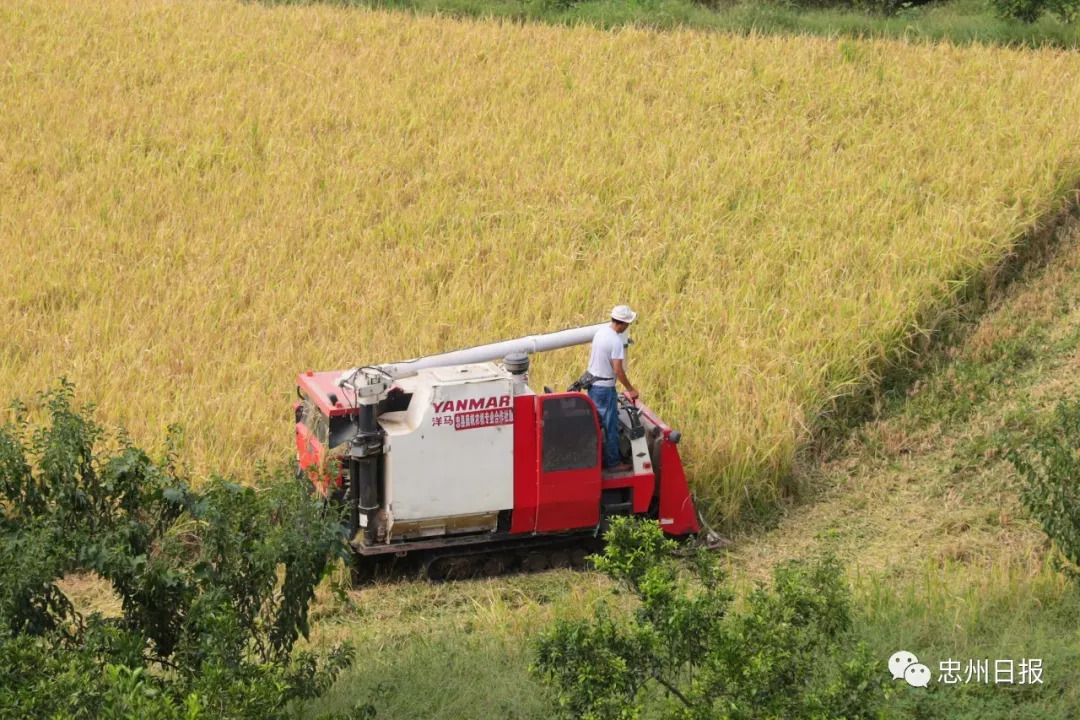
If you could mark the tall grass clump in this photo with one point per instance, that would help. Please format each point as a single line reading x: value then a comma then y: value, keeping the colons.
x: 199, y: 200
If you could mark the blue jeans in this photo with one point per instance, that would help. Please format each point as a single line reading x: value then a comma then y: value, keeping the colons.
x: 608, y: 406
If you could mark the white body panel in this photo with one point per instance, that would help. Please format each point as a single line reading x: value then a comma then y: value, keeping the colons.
x: 452, y: 452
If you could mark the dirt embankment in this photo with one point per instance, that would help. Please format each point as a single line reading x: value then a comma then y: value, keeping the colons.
x: 925, y: 482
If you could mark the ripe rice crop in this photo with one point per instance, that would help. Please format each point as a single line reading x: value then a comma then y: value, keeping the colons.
x: 200, y: 199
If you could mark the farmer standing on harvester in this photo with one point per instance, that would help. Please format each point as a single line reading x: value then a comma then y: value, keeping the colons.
x: 606, y: 365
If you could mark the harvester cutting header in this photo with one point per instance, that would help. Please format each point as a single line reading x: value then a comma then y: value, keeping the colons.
x: 454, y: 457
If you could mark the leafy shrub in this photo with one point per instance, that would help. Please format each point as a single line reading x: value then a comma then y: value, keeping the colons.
x: 880, y: 7
x: 215, y: 583
x: 1031, y: 10
x: 1024, y: 10
x: 787, y: 653
x: 1050, y: 469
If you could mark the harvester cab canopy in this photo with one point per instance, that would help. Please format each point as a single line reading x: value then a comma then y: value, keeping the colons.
x: 321, y: 388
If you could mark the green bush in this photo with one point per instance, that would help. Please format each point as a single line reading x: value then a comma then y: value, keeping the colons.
x: 1031, y: 10
x: 1024, y: 10
x: 786, y: 652
x: 215, y: 583
x: 878, y: 7
x: 1050, y: 469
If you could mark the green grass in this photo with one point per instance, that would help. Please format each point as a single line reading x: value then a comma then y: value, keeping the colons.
x: 442, y: 676
x: 458, y: 650
x: 951, y: 613
x: 959, y: 21
x: 446, y: 672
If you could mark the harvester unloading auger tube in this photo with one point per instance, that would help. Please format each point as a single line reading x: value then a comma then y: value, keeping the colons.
x: 454, y: 460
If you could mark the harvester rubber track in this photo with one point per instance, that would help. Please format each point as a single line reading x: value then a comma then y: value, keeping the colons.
x: 487, y: 561
x: 478, y: 561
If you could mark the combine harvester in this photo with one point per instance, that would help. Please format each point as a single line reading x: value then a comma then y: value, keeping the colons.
x: 454, y: 460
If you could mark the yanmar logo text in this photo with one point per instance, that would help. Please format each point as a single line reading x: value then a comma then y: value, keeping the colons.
x: 489, y: 403
x: 474, y: 412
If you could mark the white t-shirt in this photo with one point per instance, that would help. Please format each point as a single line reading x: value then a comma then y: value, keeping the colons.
x: 607, y: 345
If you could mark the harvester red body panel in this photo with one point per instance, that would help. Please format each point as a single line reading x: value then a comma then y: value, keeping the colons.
x: 448, y: 455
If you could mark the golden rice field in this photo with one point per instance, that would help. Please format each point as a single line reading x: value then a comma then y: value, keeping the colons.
x: 200, y: 199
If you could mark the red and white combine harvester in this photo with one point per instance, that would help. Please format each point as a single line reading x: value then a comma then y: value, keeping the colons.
x: 455, y: 460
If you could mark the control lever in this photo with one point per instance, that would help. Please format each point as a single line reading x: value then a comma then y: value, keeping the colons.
x: 637, y: 430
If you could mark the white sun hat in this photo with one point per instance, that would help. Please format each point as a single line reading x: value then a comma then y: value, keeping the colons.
x: 623, y: 313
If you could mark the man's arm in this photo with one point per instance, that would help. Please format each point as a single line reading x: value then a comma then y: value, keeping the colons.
x: 620, y: 373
